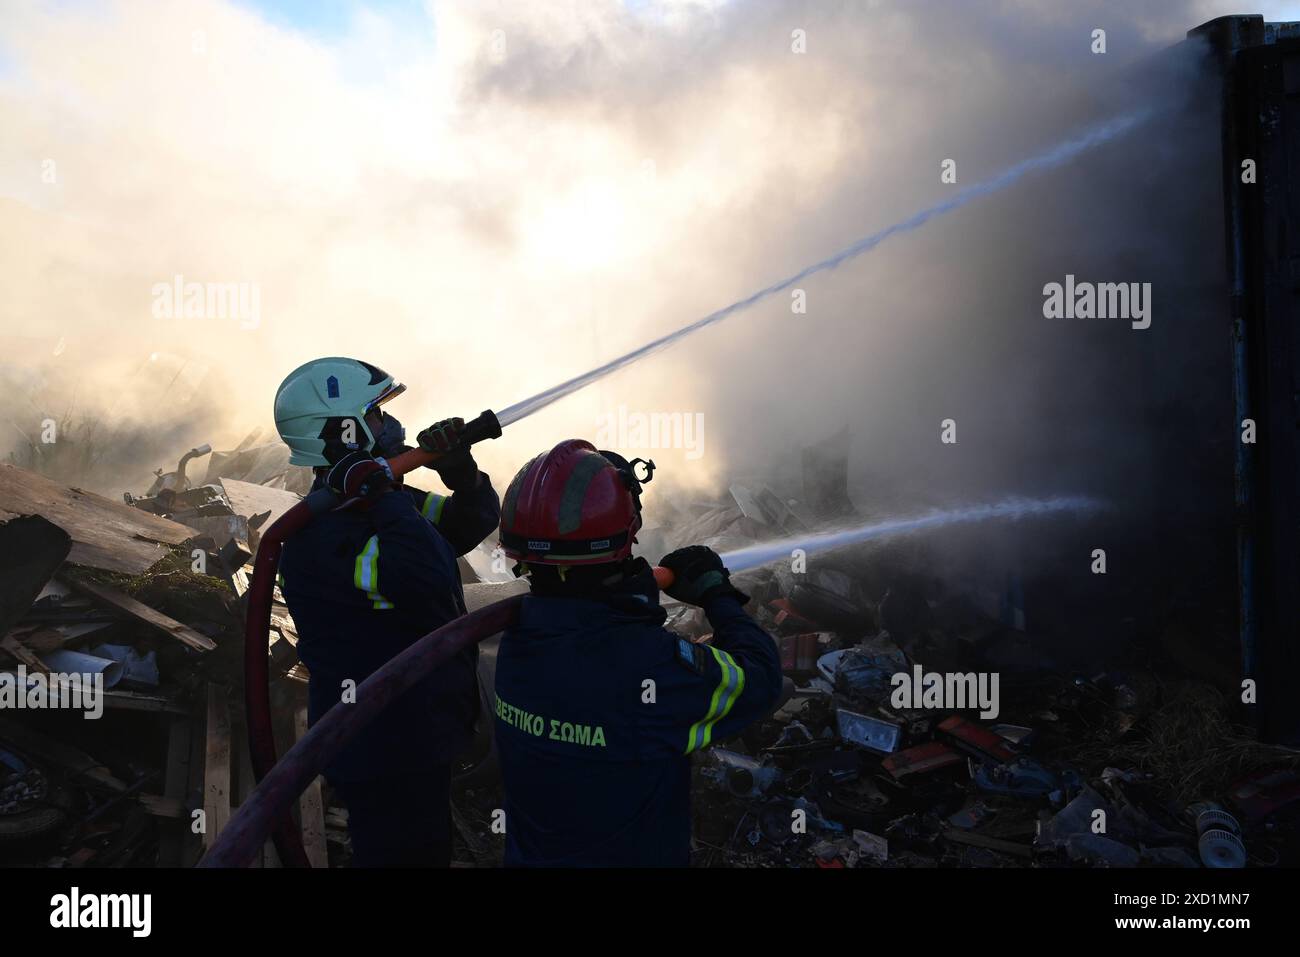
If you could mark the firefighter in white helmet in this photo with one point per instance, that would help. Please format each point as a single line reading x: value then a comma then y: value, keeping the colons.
x: 364, y: 583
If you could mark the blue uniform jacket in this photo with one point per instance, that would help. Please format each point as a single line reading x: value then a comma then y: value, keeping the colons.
x: 362, y: 586
x: 598, y: 710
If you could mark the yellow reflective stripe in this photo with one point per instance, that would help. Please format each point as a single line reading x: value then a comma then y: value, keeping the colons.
x: 366, y: 569
x: 433, y: 503
x: 730, y: 697
x: 365, y: 573
x: 730, y: 685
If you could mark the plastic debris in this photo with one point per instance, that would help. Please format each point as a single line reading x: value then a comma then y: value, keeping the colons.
x: 868, y: 732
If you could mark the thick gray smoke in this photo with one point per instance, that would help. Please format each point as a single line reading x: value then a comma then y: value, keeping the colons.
x: 942, y: 332
x: 510, y: 193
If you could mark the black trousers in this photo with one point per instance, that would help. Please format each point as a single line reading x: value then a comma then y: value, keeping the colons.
x: 402, y: 820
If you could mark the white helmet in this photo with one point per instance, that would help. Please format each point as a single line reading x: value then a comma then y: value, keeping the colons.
x: 317, y: 400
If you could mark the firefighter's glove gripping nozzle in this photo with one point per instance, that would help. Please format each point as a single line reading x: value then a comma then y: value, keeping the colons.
x: 699, y: 576
x: 455, y: 464
x: 358, y: 475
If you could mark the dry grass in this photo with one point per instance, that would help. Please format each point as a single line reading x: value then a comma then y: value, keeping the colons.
x: 1188, y: 743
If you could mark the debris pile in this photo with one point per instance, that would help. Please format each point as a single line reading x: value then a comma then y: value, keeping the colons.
x: 903, y: 739
x: 907, y: 753
x: 915, y: 731
x: 121, y: 643
x: 840, y: 776
x: 245, y: 490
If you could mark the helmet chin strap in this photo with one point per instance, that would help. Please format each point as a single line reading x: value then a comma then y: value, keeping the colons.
x: 576, y: 580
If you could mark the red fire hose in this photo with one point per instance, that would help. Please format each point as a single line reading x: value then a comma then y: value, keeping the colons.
x: 257, y: 623
x: 266, y: 810
x: 257, y: 689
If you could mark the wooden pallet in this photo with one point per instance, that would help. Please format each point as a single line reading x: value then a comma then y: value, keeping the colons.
x: 227, y: 778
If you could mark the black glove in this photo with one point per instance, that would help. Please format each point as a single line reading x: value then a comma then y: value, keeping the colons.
x: 699, y: 576
x: 455, y: 464
x: 357, y: 475
x: 441, y: 437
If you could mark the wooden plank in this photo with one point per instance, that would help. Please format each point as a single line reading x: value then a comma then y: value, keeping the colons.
x: 149, y: 616
x: 283, y: 655
x: 246, y: 782
x: 46, y: 639
x: 281, y: 619
x: 36, y: 640
x: 176, y: 778
x: 105, y: 534
x: 311, y: 806
x: 298, y: 673
x: 241, y: 580
x: 160, y: 806
x: 192, y: 846
x: 216, y: 765
x: 23, y: 654
x: 247, y: 499
x: 135, y: 701
x: 65, y: 696
x: 76, y: 763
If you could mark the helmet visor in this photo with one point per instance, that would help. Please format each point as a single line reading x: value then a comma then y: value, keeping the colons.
x: 392, y: 392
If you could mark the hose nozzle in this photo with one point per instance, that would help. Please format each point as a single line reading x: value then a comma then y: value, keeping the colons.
x: 485, y: 426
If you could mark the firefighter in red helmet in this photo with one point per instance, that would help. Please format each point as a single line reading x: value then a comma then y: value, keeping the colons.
x: 598, y: 706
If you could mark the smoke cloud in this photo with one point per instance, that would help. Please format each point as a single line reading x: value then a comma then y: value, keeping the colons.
x: 488, y: 198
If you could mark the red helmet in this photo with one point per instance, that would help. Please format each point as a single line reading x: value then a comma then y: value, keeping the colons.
x: 573, y: 505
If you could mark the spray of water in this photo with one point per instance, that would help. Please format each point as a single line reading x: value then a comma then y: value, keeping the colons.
x: 754, y: 556
x: 1056, y: 156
